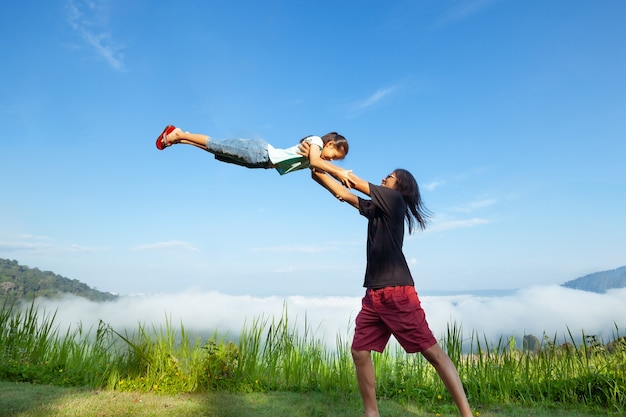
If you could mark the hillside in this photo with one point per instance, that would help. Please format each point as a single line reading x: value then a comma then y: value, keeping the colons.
x: 19, y: 282
x: 600, y: 282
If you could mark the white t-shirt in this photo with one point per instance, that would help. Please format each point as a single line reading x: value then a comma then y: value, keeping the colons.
x: 288, y: 160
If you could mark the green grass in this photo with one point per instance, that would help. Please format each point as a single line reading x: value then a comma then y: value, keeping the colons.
x: 36, y: 400
x: 271, y: 365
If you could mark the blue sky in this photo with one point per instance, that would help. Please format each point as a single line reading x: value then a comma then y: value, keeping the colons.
x: 510, y: 114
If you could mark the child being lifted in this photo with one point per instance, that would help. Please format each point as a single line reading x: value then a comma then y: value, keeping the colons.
x: 257, y: 153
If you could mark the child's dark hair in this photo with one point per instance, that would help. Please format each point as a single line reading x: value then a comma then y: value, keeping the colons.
x: 416, y: 211
x: 338, y: 141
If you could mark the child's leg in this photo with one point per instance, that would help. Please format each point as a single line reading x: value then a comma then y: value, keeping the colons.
x: 250, y: 153
x: 188, y: 138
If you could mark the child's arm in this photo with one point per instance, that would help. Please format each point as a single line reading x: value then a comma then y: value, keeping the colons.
x: 313, y: 153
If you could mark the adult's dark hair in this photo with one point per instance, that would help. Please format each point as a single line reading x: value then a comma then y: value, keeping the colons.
x: 416, y: 211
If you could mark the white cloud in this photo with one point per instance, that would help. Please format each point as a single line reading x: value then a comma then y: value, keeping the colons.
x: 465, y: 9
x: 86, y: 19
x: 460, y: 177
x: 456, y: 224
x: 373, y: 99
x: 432, y: 185
x: 172, y: 244
x: 79, y: 248
x: 474, y: 205
x: 294, y: 248
x: 284, y: 270
x: 376, y: 97
x: 33, y: 237
x: 11, y: 246
x: 42, y: 244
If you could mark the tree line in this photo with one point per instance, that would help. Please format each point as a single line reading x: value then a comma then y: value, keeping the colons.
x: 20, y: 282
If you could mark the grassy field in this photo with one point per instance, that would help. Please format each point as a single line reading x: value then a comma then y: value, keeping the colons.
x: 34, y: 400
x: 272, y: 370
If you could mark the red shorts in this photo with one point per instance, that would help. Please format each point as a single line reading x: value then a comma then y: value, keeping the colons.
x: 392, y: 310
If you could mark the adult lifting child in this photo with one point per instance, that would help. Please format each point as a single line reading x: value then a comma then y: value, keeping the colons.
x: 391, y: 305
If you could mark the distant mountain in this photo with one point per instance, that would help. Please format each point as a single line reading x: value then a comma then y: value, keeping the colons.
x: 600, y: 282
x: 19, y: 282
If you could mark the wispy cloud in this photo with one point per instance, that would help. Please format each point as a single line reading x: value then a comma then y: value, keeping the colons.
x: 455, y: 178
x: 41, y: 244
x: 294, y: 248
x: 14, y: 246
x: 475, y: 205
x: 172, y: 244
x: 329, y: 246
x: 432, y: 185
x: 464, y: 10
x: 456, y: 224
x: 86, y: 18
x: 373, y: 99
x: 284, y: 270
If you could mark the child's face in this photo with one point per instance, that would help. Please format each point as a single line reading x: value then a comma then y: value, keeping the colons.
x: 330, y: 153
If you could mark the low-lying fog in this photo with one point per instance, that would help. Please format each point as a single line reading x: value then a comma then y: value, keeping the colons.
x: 549, y: 310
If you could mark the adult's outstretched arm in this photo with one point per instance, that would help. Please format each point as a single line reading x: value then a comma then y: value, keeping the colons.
x: 335, y: 188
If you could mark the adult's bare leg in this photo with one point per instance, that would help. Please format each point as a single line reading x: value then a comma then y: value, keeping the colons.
x: 450, y: 377
x: 367, y: 381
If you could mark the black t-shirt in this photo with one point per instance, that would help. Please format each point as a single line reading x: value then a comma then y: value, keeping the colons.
x: 386, y: 265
